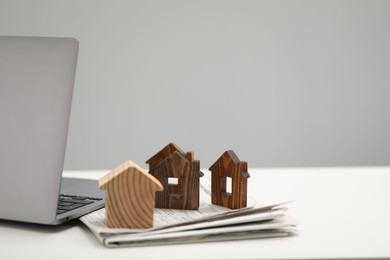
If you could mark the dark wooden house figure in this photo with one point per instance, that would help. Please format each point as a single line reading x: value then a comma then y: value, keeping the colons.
x: 229, y: 181
x: 180, y: 178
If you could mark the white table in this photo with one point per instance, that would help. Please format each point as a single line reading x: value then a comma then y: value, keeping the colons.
x: 343, y: 213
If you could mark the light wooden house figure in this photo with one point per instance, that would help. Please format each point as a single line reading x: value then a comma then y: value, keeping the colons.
x: 179, y: 174
x: 130, y: 196
x: 229, y: 181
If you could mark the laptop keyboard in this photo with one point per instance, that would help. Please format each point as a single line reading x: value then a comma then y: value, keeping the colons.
x: 70, y: 202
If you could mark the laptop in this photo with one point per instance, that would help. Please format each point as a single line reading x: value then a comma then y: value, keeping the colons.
x: 36, y: 84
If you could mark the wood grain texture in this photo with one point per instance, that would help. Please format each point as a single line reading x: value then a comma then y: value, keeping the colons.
x: 184, y: 194
x: 130, y: 196
x: 228, y: 165
x: 162, y: 154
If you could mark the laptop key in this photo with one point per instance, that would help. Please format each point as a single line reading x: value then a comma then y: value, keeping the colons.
x: 85, y: 202
x: 94, y: 198
x: 60, y: 211
x: 80, y: 198
x: 71, y: 207
x: 63, y: 203
x: 67, y: 195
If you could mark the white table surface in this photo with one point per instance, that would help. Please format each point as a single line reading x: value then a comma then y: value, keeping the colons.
x: 343, y: 213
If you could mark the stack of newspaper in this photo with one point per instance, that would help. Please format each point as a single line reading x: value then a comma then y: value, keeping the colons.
x: 208, y: 223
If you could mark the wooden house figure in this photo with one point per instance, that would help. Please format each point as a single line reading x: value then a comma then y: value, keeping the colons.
x: 179, y: 175
x: 229, y: 181
x: 130, y: 196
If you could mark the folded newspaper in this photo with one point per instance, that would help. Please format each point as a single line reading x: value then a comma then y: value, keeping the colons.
x: 207, y: 224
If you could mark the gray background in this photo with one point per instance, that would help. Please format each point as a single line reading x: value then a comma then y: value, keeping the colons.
x: 282, y: 83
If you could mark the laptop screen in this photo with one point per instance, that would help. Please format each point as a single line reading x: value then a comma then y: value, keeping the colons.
x: 36, y: 83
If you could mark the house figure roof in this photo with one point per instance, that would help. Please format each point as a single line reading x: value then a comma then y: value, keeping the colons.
x: 165, y: 152
x: 229, y: 166
x: 130, y: 196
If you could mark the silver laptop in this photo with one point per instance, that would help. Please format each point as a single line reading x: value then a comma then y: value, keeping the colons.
x: 36, y: 84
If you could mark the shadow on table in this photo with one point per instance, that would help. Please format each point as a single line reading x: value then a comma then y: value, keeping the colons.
x: 38, y: 227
